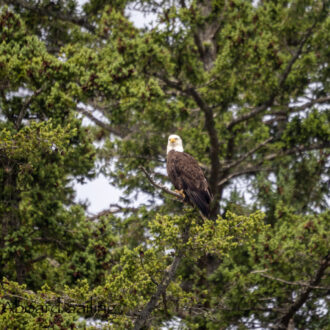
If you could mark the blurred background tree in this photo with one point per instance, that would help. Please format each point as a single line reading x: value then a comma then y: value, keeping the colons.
x: 244, y: 83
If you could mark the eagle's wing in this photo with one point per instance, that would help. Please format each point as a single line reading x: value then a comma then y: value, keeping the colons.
x: 193, y: 181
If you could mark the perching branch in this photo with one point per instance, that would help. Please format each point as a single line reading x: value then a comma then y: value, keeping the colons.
x: 209, y: 124
x: 160, y: 186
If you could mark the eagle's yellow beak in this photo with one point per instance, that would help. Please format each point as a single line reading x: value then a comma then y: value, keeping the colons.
x: 172, y: 140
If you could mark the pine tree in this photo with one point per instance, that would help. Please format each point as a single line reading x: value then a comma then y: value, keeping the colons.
x: 244, y: 83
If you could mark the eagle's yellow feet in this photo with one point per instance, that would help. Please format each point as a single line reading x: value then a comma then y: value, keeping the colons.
x: 180, y: 192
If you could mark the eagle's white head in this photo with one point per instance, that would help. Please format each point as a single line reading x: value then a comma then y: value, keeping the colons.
x: 174, y: 143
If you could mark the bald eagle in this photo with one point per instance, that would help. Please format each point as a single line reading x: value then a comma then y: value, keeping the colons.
x: 187, y: 177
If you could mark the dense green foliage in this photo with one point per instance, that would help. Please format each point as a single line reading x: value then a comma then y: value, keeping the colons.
x: 245, y: 84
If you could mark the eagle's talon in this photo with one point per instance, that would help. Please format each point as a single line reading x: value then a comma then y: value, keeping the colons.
x: 181, y: 193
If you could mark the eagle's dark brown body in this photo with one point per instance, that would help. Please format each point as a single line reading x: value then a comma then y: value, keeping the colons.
x: 185, y: 174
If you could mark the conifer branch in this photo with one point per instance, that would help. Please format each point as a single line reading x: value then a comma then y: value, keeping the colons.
x: 55, y: 12
x: 303, y: 296
x: 169, y: 275
x: 257, y: 110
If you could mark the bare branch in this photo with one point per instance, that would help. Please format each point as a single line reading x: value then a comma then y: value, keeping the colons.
x: 298, y: 283
x: 42, y: 257
x: 252, y: 113
x: 248, y: 170
x: 102, y: 214
x: 49, y: 240
x: 160, y: 186
x: 294, y: 150
x: 249, y: 153
x: 114, y: 130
